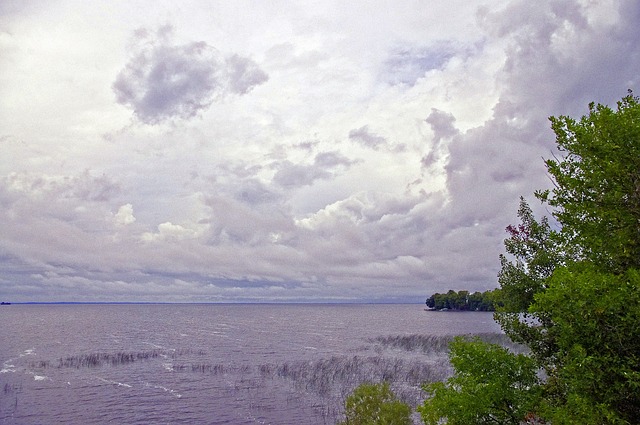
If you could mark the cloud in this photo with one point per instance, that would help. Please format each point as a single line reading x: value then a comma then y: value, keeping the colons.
x: 325, y: 166
x: 60, y: 188
x: 442, y: 125
x: 233, y: 223
x: 364, y: 137
x: 124, y: 216
x: 290, y: 175
x: 170, y: 232
x: 405, y: 65
x: 164, y: 80
x: 244, y: 74
x: 254, y: 192
x: 564, y: 55
x: 332, y: 159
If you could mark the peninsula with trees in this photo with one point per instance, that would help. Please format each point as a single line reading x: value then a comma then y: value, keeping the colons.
x: 462, y: 301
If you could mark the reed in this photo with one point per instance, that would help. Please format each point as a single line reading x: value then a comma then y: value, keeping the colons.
x: 423, y: 343
x: 437, y: 344
x: 101, y: 359
x: 335, y: 376
x: 118, y: 358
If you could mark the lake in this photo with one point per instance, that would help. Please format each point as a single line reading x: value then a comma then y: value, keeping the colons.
x: 215, y: 363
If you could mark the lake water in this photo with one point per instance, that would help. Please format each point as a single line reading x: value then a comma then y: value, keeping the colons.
x: 215, y: 363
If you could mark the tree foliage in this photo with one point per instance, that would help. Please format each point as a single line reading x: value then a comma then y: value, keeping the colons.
x: 571, y: 295
x: 596, y: 375
x: 533, y: 251
x: 490, y: 386
x: 462, y: 301
x: 597, y: 184
x: 375, y: 404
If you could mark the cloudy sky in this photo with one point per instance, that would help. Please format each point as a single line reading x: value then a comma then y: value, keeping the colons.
x: 210, y: 151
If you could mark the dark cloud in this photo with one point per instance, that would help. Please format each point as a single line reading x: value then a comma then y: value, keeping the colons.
x: 254, y: 192
x: 244, y: 74
x: 325, y: 166
x: 332, y: 159
x: 164, y: 80
x: 442, y: 125
x: 363, y: 136
x: 562, y: 55
x: 98, y: 189
x: 558, y: 59
x: 235, y: 221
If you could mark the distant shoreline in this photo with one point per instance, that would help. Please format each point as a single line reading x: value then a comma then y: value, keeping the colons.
x: 455, y: 310
x: 301, y: 303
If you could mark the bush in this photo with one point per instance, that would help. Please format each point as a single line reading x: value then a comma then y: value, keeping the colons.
x: 375, y: 404
x: 490, y: 385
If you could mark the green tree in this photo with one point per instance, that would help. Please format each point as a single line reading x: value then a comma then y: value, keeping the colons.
x: 462, y: 301
x: 533, y: 255
x: 490, y: 386
x: 597, y: 364
x: 476, y: 302
x: 596, y: 195
x: 571, y: 295
x: 375, y: 404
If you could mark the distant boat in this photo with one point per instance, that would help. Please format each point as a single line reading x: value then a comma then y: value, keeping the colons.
x: 4, y: 303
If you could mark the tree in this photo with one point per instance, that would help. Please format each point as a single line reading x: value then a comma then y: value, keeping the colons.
x: 490, y: 386
x: 462, y: 301
x: 533, y: 247
x: 591, y: 303
x: 596, y: 376
x: 571, y: 295
x: 477, y: 302
x: 597, y: 184
x: 375, y: 404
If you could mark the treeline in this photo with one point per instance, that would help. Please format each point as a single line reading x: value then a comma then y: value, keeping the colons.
x: 463, y: 301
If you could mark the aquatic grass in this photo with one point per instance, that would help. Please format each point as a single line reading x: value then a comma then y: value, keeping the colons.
x: 215, y: 369
x: 100, y: 359
x: 117, y: 358
x: 436, y: 344
x: 422, y: 343
x: 41, y: 364
x: 336, y: 376
x: 332, y: 377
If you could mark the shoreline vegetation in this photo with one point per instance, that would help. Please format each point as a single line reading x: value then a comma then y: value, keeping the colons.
x: 462, y: 301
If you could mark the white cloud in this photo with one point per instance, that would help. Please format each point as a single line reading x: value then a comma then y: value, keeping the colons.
x: 170, y: 232
x: 124, y: 216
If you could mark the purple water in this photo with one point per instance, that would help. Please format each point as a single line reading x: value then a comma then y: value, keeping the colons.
x: 214, y: 364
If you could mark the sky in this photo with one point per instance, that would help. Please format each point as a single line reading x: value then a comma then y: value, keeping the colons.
x: 282, y: 151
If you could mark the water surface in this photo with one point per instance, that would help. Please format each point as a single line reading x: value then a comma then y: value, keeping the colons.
x: 214, y: 363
